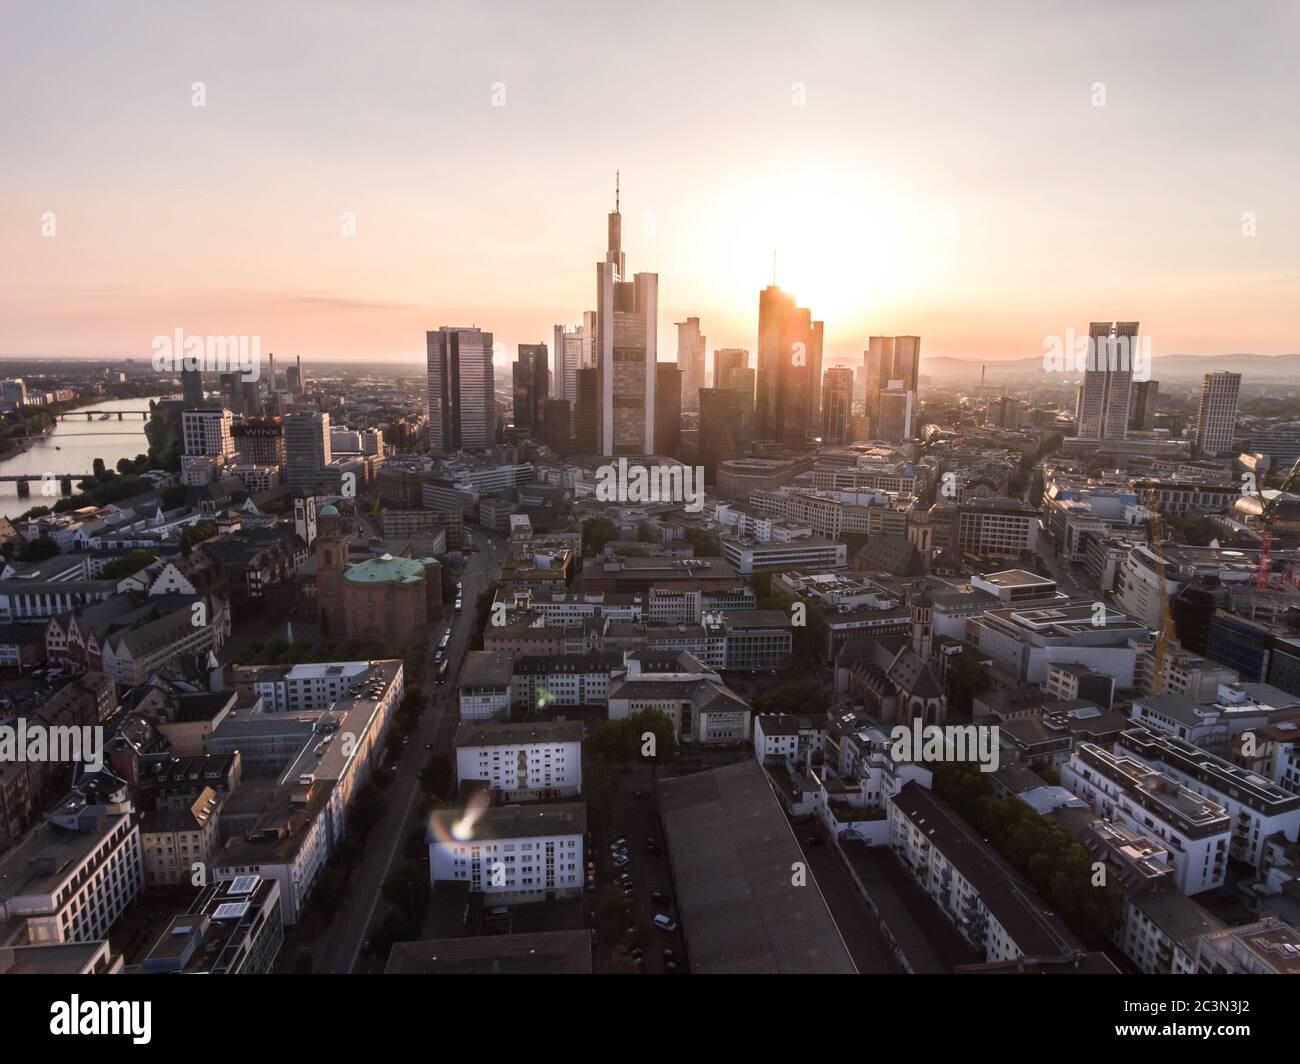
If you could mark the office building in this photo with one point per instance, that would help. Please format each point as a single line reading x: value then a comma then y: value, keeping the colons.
x: 1103, y: 412
x: 192, y: 386
x: 894, y: 420
x: 573, y: 351
x: 627, y: 314
x: 461, y: 404
x: 690, y: 361
x: 530, y: 375
x: 726, y: 359
x: 586, y: 414
x: 234, y: 927
x: 837, y: 406
x: 208, y: 433
x: 723, y: 432
x: 259, y: 441
x: 307, y: 450
x: 1216, y: 418
x: 889, y: 359
x: 789, y: 374
x: 557, y: 416
x: 1142, y: 405
x: 669, y: 396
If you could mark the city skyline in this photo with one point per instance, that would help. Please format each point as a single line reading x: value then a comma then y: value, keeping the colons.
x: 920, y: 207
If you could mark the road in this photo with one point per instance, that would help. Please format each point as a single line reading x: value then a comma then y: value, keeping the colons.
x: 339, y: 947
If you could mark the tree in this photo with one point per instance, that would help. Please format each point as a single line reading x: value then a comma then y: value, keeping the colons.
x: 435, y: 776
x: 596, y: 532
x: 794, y: 696
x: 967, y: 677
x: 127, y: 566
x: 621, y: 741
x: 38, y: 550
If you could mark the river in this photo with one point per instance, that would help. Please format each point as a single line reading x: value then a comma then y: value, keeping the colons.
x: 73, y: 447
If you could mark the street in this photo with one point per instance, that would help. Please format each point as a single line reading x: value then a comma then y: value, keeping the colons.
x: 338, y: 948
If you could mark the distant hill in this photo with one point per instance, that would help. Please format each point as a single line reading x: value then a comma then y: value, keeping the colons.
x: 1169, y: 367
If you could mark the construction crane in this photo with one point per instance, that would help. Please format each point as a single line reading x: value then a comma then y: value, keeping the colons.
x: 1267, y: 515
x: 1168, y: 633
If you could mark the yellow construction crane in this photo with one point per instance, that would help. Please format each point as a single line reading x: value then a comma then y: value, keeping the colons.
x: 1168, y: 633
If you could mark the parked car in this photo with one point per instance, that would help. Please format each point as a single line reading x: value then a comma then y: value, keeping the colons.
x: 660, y: 898
x: 665, y: 923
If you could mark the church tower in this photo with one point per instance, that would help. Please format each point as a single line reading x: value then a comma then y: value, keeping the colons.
x: 331, y: 556
x: 922, y: 624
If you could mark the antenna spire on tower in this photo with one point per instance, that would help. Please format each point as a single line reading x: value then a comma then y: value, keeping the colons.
x: 615, y: 191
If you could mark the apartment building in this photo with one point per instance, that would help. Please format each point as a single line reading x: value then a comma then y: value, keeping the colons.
x: 563, y: 679
x: 483, y: 689
x: 538, y: 759
x: 993, y: 908
x: 515, y: 854
x: 70, y: 879
x: 1123, y: 789
x: 180, y: 839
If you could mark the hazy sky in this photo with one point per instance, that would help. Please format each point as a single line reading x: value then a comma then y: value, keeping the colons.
x: 948, y: 173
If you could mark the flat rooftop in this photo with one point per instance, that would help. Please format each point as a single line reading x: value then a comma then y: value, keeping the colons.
x: 543, y: 953
x: 732, y: 855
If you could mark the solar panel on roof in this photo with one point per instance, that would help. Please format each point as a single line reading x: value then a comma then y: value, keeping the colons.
x: 243, y: 884
x: 230, y: 910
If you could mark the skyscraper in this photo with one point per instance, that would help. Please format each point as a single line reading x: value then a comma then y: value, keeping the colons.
x: 888, y: 359
x: 789, y: 370
x: 1107, y: 380
x: 669, y: 381
x: 530, y: 375
x: 690, y: 360
x: 586, y: 416
x: 192, y: 386
x: 723, y: 429
x: 306, y: 448
x: 1217, y: 416
x: 837, y: 405
x: 573, y: 351
x: 1142, y: 405
x: 626, y: 348
x: 556, y: 418
x: 726, y: 359
x: 895, y: 417
x: 462, y: 410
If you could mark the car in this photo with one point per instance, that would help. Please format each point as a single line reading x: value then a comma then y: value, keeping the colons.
x: 669, y: 954
x: 628, y: 888
x: 620, y: 861
x: 660, y: 898
x: 392, y: 767
x: 618, y: 840
x: 670, y: 966
x: 665, y: 923
x: 623, y: 877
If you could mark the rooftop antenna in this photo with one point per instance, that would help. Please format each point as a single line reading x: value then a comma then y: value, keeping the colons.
x: 615, y: 191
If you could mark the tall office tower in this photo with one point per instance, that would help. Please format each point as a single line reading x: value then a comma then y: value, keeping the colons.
x: 723, y: 429
x: 837, y: 405
x: 669, y: 382
x: 530, y: 388
x: 789, y: 370
x: 259, y: 441
x: 192, y: 386
x: 887, y: 359
x: 294, y: 383
x: 627, y: 315
x: 462, y: 410
x: 586, y: 415
x: 207, y: 433
x: 572, y: 353
x: 895, y: 425
x: 556, y: 434
x: 1142, y: 405
x: 306, y: 448
x: 725, y: 359
x: 236, y: 395
x: 690, y: 360
x: 741, y: 380
x: 1217, y: 416
x: 1107, y: 380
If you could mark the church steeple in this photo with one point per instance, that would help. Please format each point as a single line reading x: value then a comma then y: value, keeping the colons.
x: 922, y: 624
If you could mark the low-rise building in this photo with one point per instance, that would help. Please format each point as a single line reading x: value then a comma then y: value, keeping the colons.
x: 522, y: 761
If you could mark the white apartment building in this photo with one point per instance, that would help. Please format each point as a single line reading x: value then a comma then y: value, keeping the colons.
x: 1256, y: 807
x: 1216, y: 417
x: 539, y: 759
x: 986, y: 900
x: 564, y: 679
x: 511, y: 853
x: 207, y: 433
x: 70, y: 879
x: 1121, y: 788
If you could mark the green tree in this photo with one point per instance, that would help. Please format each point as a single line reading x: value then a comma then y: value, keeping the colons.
x: 596, y: 532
